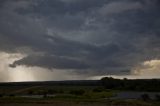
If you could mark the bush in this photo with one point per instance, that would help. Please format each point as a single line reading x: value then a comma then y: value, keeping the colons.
x: 157, y: 97
x: 145, y: 97
x: 30, y: 92
x: 60, y: 91
x: 12, y: 95
x: 77, y: 92
x: 1, y: 95
x: 98, y: 89
x: 52, y: 91
x: 44, y: 94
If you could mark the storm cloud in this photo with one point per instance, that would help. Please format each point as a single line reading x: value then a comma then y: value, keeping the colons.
x: 93, y: 37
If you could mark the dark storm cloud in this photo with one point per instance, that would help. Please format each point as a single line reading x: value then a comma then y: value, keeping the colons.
x: 51, y: 62
x: 104, y: 35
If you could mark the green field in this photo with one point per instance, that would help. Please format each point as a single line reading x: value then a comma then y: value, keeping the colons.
x: 64, y: 95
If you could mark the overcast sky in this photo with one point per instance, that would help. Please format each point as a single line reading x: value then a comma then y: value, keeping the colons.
x: 79, y: 39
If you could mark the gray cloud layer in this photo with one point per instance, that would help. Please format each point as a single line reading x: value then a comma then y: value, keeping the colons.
x: 98, y: 36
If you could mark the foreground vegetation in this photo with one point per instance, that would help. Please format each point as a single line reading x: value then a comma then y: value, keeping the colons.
x: 74, y: 102
x: 78, y: 93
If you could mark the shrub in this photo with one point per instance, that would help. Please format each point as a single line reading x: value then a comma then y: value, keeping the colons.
x: 145, y: 97
x: 157, y: 97
x: 12, y: 95
x: 98, y: 89
x: 30, y: 92
x: 52, y: 91
x: 44, y: 94
x: 77, y: 92
x: 1, y: 95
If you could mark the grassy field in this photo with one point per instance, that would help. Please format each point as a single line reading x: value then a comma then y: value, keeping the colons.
x: 60, y: 92
x: 73, y: 102
x: 64, y: 95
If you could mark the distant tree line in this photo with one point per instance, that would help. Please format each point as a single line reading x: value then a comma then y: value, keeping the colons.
x: 131, y: 84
